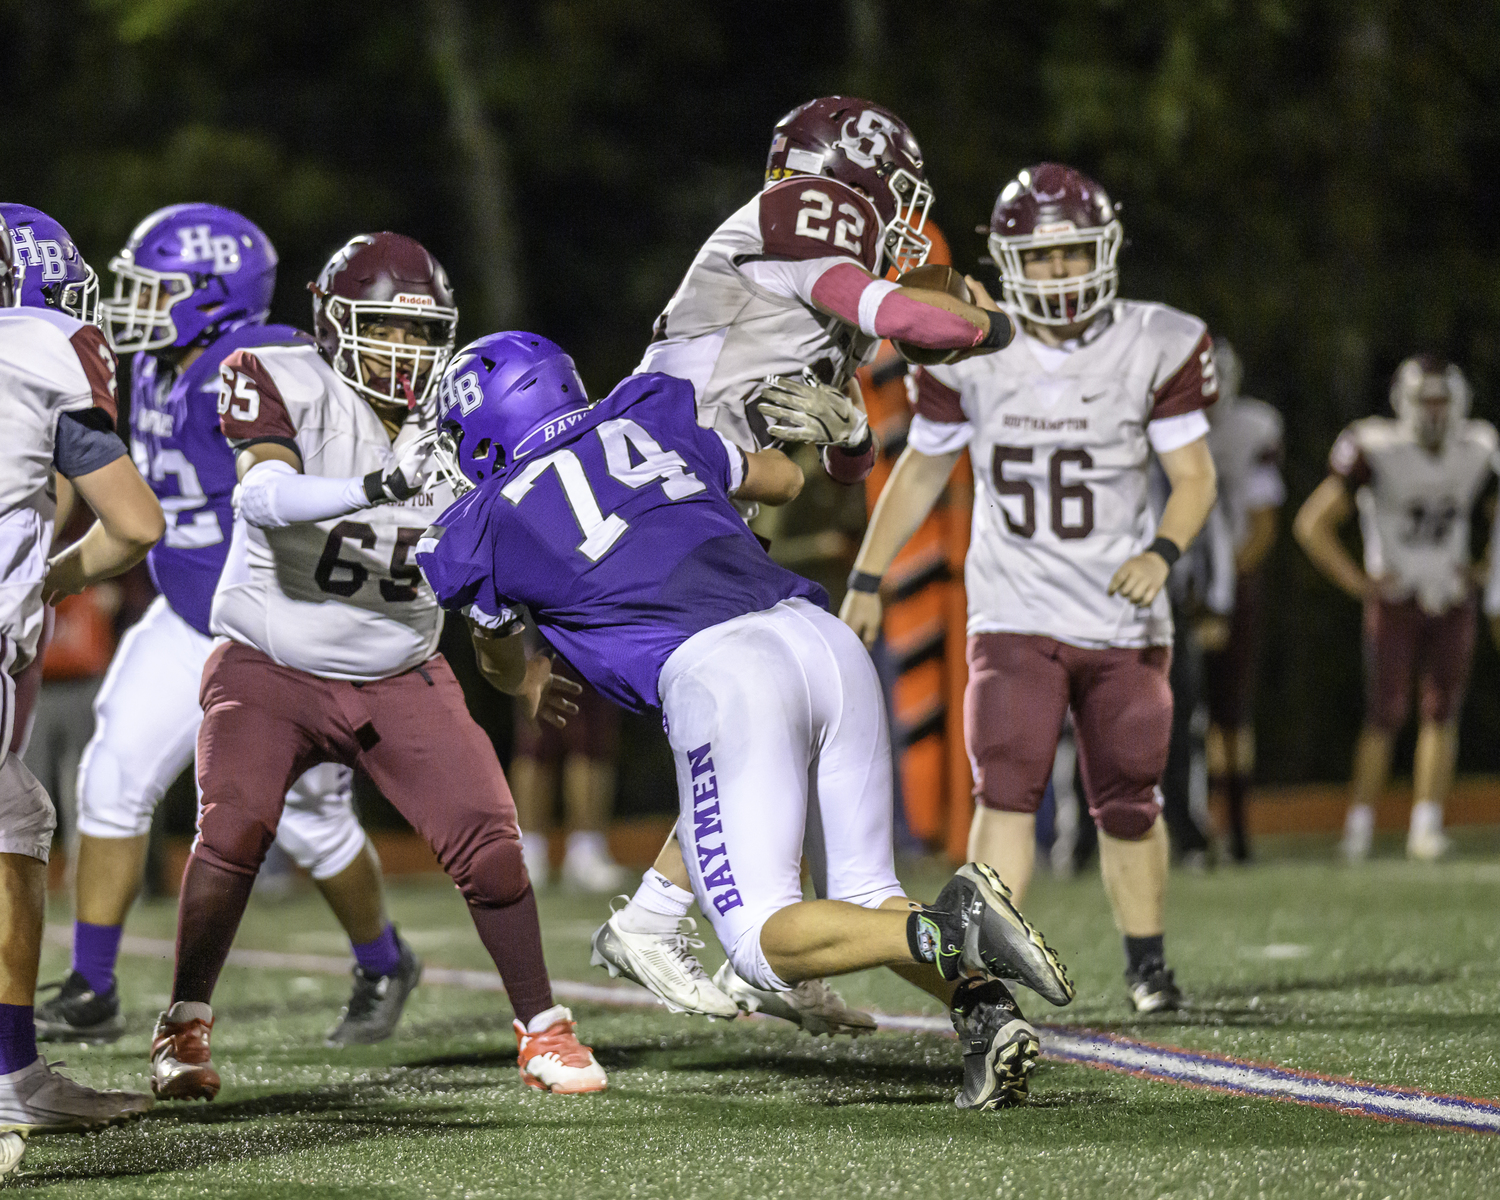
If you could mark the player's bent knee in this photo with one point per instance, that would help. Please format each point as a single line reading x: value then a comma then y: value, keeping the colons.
x: 232, y: 837
x: 112, y: 803
x: 492, y: 874
x: 1128, y: 818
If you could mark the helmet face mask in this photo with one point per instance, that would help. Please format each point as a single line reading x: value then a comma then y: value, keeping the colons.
x: 906, y: 246
x: 139, y: 314
x: 1049, y: 207
x: 381, y: 368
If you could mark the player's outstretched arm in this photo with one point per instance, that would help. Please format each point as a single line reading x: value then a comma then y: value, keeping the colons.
x: 913, y: 488
x: 920, y: 316
x: 130, y: 523
x: 770, y: 478
x: 1190, y: 471
x: 273, y: 492
x: 503, y: 662
x: 1316, y: 529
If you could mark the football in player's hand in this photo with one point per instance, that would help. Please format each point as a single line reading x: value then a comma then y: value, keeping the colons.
x: 938, y: 278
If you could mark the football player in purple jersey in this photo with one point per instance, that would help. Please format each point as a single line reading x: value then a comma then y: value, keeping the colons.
x: 613, y: 525
x: 192, y: 286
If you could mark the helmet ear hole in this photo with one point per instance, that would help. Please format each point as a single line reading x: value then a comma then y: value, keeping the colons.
x: 482, y: 448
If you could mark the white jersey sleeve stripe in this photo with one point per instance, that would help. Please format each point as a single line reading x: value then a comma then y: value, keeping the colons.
x: 1173, y: 433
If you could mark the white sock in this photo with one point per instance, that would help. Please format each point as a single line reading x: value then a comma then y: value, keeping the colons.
x: 589, y: 843
x: 1360, y: 819
x: 657, y: 906
x: 1426, y: 818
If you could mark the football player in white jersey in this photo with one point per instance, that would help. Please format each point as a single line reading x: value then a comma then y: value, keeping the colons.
x: 1244, y: 438
x: 1066, y: 565
x: 330, y: 650
x: 57, y: 410
x: 1415, y: 479
x: 789, y: 288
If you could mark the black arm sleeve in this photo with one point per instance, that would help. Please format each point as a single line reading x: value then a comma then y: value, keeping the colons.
x: 85, y: 442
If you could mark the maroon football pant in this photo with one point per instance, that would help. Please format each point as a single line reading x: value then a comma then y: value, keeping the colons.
x: 264, y: 725
x: 1402, y: 643
x: 1020, y: 688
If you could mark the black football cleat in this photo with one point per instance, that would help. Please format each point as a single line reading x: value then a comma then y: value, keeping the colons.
x: 79, y: 1014
x: 1000, y: 1047
x: 1152, y: 988
x: 375, y: 1004
x: 977, y: 927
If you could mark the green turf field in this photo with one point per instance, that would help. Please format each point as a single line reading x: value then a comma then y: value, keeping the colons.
x: 1388, y: 974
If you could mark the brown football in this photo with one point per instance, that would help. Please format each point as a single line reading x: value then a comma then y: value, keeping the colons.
x: 938, y: 278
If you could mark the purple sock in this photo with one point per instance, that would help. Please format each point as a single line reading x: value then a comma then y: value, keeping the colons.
x: 17, y: 1037
x: 95, y: 948
x: 380, y: 957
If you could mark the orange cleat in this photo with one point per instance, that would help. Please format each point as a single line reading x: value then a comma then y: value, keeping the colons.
x: 181, y: 1068
x: 552, y: 1058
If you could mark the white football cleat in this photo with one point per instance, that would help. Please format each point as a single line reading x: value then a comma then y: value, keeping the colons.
x: 552, y: 1058
x: 12, y: 1149
x: 39, y: 1097
x: 1428, y: 845
x: 812, y: 1004
x: 663, y: 964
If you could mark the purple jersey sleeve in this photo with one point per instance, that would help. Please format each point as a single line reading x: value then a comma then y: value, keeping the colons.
x: 456, y: 555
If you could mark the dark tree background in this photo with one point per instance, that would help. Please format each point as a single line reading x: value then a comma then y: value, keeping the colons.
x: 1316, y: 178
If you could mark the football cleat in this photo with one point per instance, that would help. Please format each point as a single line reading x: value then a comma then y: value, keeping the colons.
x: 12, y: 1150
x: 1152, y: 988
x: 1000, y: 1047
x: 1428, y: 845
x: 976, y: 927
x: 552, y: 1058
x: 812, y: 1005
x: 40, y: 1097
x: 78, y: 1013
x: 663, y: 964
x: 181, y: 1068
x: 375, y: 1004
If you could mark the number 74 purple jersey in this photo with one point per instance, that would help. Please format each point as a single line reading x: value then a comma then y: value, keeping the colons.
x: 620, y: 539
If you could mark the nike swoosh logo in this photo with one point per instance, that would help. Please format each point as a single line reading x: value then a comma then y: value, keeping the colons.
x: 1091, y: 399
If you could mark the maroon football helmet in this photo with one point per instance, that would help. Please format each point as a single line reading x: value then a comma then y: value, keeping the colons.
x: 1052, y: 205
x: 380, y: 279
x: 1430, y: 397
x: 869, y: 148
x: 10, y: 275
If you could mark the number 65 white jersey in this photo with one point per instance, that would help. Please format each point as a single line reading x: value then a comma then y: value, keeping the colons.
x: 1060, y: 440
x: 341, y: 599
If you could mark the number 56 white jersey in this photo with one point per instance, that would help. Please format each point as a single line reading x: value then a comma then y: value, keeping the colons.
x: 1060, y: 440
x: 341, y: 599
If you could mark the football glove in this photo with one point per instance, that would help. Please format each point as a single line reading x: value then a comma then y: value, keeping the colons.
x: 802, y: 410
x: 405, y: 477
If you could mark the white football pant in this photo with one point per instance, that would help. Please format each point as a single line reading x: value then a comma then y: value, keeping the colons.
x: 27, y: 818
x: 778, y: 730
x: 146, y: 719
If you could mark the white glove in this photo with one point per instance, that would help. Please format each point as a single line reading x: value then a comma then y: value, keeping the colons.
x: 801, y: 410
x: 407, y: 476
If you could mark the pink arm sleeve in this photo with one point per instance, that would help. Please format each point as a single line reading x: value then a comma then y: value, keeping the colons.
x: 882, y: 309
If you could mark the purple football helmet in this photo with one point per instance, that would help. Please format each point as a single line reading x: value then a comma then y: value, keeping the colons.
x: 53, y: 273
x: 501, y: 398
x: 189, y: 273
x: 10, y: 273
